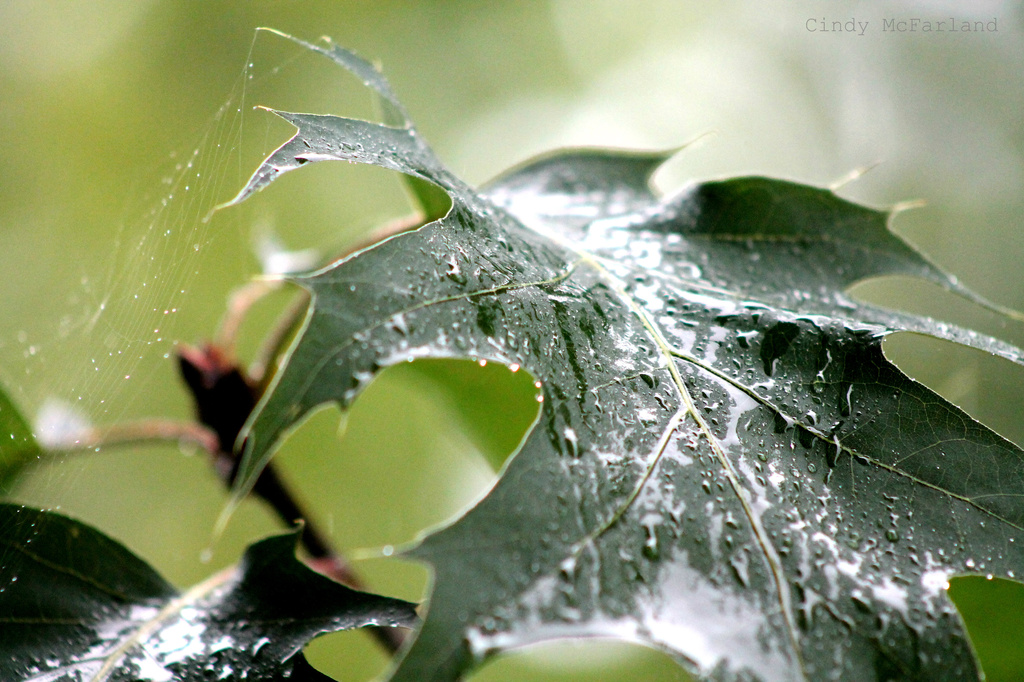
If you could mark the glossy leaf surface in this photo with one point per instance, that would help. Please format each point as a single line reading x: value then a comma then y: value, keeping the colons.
x: 75, y: 605
x: 725, y: 465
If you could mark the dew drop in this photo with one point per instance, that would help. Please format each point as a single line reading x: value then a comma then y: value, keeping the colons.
x: 651, y: 549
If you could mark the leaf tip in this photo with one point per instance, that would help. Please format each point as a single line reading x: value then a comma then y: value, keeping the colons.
x: 907, y: 205
x: 286, y: 36
x: 853, y: 175
x: 694, y: 141
x: 225, y: 517
x: 269, y: 29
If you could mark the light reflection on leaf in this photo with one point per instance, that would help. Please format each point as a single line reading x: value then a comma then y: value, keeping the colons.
x: 725, y: 465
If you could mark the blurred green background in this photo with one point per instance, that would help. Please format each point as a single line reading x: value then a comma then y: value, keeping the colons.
x: 107, y: 261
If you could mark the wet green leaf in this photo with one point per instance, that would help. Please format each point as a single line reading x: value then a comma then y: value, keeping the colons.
x: 75, y: 604
x: 18, y: 447
x: 725, y: 465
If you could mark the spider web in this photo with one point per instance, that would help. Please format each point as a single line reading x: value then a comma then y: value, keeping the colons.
x: 107, y: 356
x: 104, y: 353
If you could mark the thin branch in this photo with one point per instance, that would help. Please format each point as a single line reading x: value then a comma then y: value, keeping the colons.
x: 239, y: 303
x: 142, y: 432
x: 269, y: 487
x: 273, y: 345
x: 224, y: 399
x: 323, y: 559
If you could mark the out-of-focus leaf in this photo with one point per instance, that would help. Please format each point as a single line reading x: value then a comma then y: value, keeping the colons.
x: 76, y: 605
x: 725, y: 464
x: 18, y: 448
x: 483, y: 398
x: 432, y: 201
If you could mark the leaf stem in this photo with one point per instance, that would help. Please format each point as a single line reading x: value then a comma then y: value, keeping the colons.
x: 136, y: 433
x: 239, y: 303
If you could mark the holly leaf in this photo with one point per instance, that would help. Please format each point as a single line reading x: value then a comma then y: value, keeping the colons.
x: 18, y: 447
x: 725, y: 465
x: 75, y: 604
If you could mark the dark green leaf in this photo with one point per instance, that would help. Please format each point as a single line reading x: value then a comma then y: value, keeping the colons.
x: 18, y: 447
x: 725, y: 464
x: 74, y: 604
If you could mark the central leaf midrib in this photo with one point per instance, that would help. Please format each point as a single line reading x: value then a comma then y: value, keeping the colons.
x: 171, y: 609
x: 66, y: 570
x: 665, y: 349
